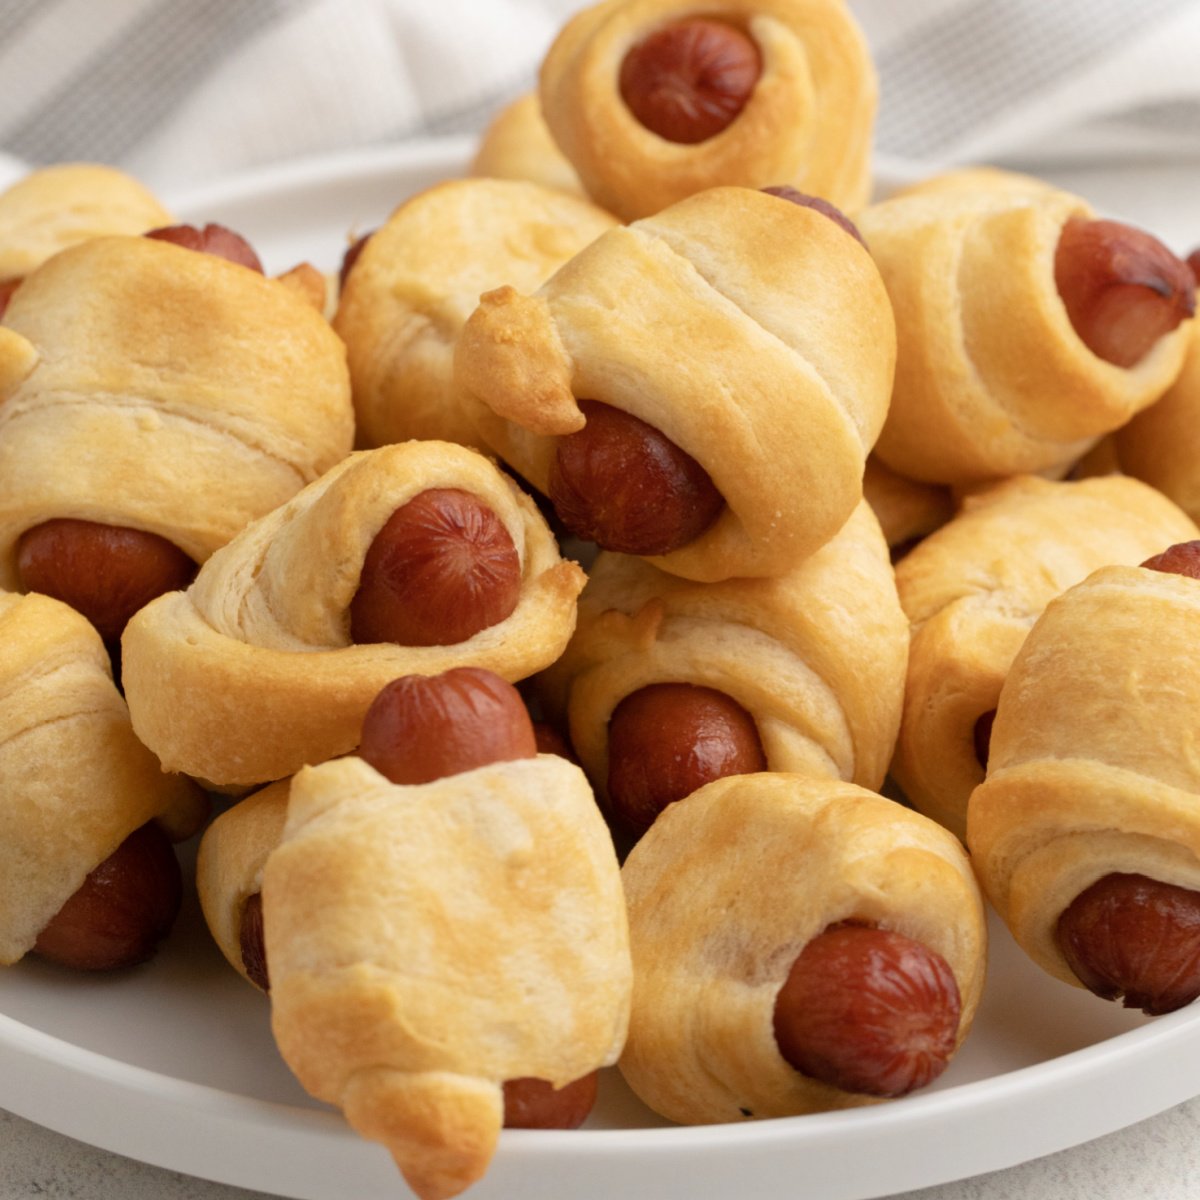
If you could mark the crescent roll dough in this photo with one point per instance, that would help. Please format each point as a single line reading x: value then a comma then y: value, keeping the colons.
x: 972, y: 590
x: 257, y: 651
x: 75, y: 781
x: 991, y: 378
x: 56, y: 207
x: 1162, y: 444
x: 907, y: 510
x: 1092, y: 768
x: 419, y: 278
x: 427, y: 943
x: 154, y: 387
x: 726, y: 889
x: 816, y: 656
x: 808, y: 121
x: 979, y: 178
x: 230, y: 861
x: 517, y: 145
x: 785, y: 334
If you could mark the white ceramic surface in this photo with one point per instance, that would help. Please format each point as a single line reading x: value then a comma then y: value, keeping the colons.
x: 173, y: 1064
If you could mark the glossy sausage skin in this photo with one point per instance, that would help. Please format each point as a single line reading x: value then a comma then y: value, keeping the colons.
x: 869, y: 1011
x: 1134, y: 937
x: 426, y: 727
x: 531, y: 1103
x: 105, y: 572
x: 212, y: 239
x: 1122, y: 288
x: 123, y: 909
x: 688, y: 81
x: 668, y: 739
x: 624, y: 485
x: 442, y: 569
x: 252, y: 942
x: 835, y: 214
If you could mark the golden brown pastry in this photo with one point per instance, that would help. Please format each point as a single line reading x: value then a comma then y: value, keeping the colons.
x: 726, y: 891
x: 429, y: 942
x: 750, y: 335
x: 259, y: 650
x: 1101, y: 459
x: 907, y: 510
x: 75, y: 781
x: 1002, y: 302
x: 420, y: 276
x: 56, y: 207
x: 230, y: 861
x: 655, y: 100
x: 816, y: 659
x: 152, y: 387
x: 517, y: 145
x: 1093, y: 783
x: 979, y: 178
x: 971, y: 591
x: 1162, y: 443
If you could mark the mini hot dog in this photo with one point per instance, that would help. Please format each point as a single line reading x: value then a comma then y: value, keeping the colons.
x: 799, y: 944
x: 415, y: 557
x: 1085, y: 831
x: 446, y: 819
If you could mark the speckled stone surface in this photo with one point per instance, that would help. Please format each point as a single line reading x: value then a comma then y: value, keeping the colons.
x: 1156, y: 1159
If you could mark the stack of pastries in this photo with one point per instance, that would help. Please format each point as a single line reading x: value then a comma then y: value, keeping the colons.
x: 588, y: 631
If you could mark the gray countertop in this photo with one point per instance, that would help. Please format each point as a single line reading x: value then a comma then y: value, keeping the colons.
x: 1158, y: 1159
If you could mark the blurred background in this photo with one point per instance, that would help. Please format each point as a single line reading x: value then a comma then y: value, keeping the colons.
x: 180, y: 92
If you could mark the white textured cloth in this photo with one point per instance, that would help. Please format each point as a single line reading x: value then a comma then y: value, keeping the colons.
x: 178, y: 91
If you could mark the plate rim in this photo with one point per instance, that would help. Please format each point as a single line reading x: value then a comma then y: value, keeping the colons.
x: 1147, y: 1046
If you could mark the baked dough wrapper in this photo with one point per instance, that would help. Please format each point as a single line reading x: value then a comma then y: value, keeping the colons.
x: 75, y: 781
x: 230, y: 861
x: 1094, y: 767
x: 257, y: 651
x: 754, y: 333
x: 991, y: 378
x: 1162, y: 443
x: 808, y: 122
x: 725, y: 890
x: 907, y: 510
x: 427, y: 943
x: 150, y: 386
x: 419, y: 278
x: 973, y: 589
x: 816, y: 656
x: 59, y: 206
x: 517, y: 145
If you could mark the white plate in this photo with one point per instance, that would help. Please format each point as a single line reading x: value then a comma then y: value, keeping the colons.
x: 173, y: 1064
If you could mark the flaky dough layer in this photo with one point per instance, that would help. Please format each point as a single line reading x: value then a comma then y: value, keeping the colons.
x: 1162, y: 443
x: 154, y: 387
x: 230, y: 861
x: 257, y: 652
x: 1093, y: 769
x: 74, y: 781
x: 807, y: 123
x: 420, y: 277
x: 787, y: 336
x: 427, y: 943
x: 973, y: 589
x: 59, y: 206
x: 991, y: 378
x: 517, y: 145
x: 725, y: 890
x: 816, y: 656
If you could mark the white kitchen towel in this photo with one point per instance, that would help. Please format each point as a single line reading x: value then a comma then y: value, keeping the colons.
x: 178, y: 91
